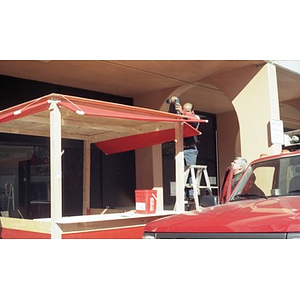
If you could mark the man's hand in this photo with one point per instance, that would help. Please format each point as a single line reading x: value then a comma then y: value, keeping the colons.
x: 178, y: 107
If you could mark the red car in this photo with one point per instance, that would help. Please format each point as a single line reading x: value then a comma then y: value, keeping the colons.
x: 264, y: 204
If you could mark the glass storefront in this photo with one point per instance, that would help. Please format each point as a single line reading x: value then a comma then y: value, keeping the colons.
x: 24, y: 176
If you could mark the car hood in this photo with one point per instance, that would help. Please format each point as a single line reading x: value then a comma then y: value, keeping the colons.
x: 267, y: 215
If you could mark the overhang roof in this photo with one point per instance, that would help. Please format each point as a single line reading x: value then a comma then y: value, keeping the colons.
x: 210, y: 84
x: 112, y: 127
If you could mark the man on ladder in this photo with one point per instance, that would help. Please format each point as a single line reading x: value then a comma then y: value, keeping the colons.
x: 190, y: 145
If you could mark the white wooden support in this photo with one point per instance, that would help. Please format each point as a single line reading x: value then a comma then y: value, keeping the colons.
x: 195, y: 186
x: 86, y: 203
x: 179, y: 162
x: 55, y: 169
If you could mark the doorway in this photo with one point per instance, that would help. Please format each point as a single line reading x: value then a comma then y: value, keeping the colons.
x: 207, y: 147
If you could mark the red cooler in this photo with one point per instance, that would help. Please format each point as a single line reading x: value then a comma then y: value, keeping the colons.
x: 145, y: 201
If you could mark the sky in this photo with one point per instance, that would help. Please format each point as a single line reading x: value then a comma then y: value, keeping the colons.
x: 292, y: 65
x: 132, y: 29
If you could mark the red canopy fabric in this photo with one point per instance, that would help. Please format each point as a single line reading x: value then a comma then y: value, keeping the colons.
x: 25, y: 109
x: 141, y: 140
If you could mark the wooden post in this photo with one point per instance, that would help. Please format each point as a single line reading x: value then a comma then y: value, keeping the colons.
x: 158, y: 176
x: 55, y: 169
x: 179, y: 166
x: 86, y: 177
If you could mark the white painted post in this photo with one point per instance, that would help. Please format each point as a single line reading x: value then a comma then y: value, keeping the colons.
x: 55, y: 169
x: 179, y: 166
x: 158, y: 176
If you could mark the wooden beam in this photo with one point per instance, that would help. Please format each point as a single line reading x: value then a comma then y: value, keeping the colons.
x: 26, y: 225
x: 94, y: 126
x: 86, y: 177
x: 179, y: 162
x: 22, y: 129
x: 81, y: 127
x: 55, y: 169
x: 129, y: 131
x: 36, y: 119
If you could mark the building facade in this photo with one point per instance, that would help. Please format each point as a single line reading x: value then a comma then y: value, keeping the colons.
x: 240, y: 99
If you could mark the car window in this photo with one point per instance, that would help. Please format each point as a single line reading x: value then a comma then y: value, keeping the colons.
x: 270, y: 178
x: 263, y: 179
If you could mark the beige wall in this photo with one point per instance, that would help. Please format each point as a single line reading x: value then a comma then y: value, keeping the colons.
x: 154, y: 101
x: 240, y: 132
x: 256, y: 105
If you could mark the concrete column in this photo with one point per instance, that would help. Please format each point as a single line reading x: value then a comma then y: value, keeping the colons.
x: 255, y: 106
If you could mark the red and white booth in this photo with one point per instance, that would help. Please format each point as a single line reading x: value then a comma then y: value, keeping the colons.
x: 111, y: 127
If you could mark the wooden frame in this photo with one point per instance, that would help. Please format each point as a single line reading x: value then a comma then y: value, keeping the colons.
x: 61, y: 116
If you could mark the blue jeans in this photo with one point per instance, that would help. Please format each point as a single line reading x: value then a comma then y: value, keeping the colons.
x: 190, y: 158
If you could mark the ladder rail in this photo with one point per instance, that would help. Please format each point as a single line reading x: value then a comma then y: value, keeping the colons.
x: 195, y: 189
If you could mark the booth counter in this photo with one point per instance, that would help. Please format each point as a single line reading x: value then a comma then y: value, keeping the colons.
x: 128, y: 225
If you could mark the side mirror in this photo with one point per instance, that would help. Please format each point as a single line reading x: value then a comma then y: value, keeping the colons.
x: 209, y: 200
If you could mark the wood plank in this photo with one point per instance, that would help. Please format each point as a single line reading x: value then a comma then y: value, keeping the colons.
x: 106, y: 224
x: 100, y: 211
x: 20, y: 129
x: 179, y: 161
x: 23, y: 224
x: 86, y: 177
x: 130, y: 131
x: 99, y: 125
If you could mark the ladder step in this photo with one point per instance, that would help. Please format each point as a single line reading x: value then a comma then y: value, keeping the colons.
x: 190, y: 186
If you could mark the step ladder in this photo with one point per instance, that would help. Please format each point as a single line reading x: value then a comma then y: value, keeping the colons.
x: 196, y: 171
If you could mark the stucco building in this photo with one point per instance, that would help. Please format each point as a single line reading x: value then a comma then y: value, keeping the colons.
x: 241, y: 99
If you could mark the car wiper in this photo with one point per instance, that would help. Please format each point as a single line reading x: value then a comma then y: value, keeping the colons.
x: 294, y: 191
x: 249, y: 196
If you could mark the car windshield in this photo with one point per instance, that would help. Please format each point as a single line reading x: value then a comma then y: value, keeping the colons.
x: 270, y: 178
